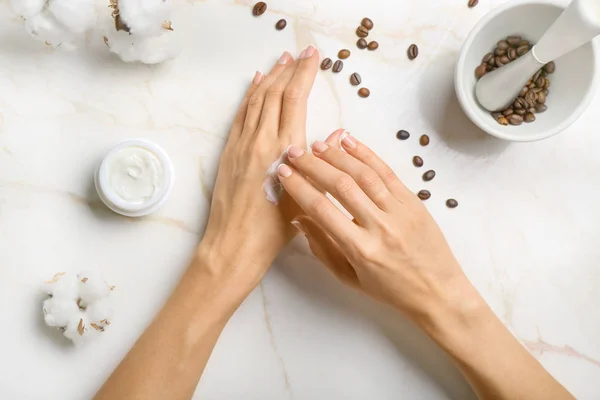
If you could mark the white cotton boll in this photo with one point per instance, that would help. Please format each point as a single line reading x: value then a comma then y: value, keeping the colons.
x: 63, y: 285
x: 27, y: 8
x: 78, y: 328
x: 148, y: 50
x: 77, y: 16
x: 91, y: 288
x: 59, y: 312
x: 100, y: 311
x: 145, y: 17
x: 45, y: 27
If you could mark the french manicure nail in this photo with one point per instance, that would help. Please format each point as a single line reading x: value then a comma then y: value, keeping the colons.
x: 284, y: 171
x: 299, y: 227
x: 285, y: 57
x: 308, y: 52
x: 319, y: 147
x: 348, y: 140
x: 295, y: 151
x: 258, y: 78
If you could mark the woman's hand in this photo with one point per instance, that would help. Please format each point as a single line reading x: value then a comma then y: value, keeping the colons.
x: 245, y: 231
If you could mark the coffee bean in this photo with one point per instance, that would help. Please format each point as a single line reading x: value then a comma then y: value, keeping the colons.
x: 544, y: 73
x: 500, y: 52
x: 520, y: 103
x: 505, y: 59
x: 546, y: 83
x: 429, y: 175
x: 540, y: 82
x: 473, y: 3
x: 529, y: 117
x: 550, y: 67
x: 541, y: 98
x: 487, y: 58
x: 481, y: 70
x: 402, y: 134
x: 540, y: 108
x: 418, y: 161
x: 521, y: 112
x: 413, y: 51
x: 281, y: 24
x: 515, y: 119
x: 373, y: 45
x: 532, y: 110
x: 507, y: 112
x: 259, y: 8
x: 367, y: 23
x: 343, y: 54
x: 490, y: 67
x: 492, y: 62
x: 536, y: 76
x: 338, y: 66
x: 326, y: 64
x: 424, y: 140
x: 424, y: 195
x: 451, y: 203
x: 361, y: 44
x: 503, y: 121
x: 496, y: 115
x: 546, y: 92
x: 499, y: 62
x: 524, y: 43
x: 362, y: 32
x: 524, y: 91
x: 503, y: 44
x: 513, y: 40
x: 355, y: 79
x: 531, y: 98
x: 364, y: 92
x: 512, y: 54
x: 522, y: 50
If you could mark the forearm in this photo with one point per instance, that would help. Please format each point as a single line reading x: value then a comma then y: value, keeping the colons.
x: 169, y: 358
x: 496, y: 365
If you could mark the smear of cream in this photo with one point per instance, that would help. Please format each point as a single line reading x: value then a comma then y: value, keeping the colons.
x: 272, y: 186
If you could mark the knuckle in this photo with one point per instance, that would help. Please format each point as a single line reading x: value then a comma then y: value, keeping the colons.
x: 368, y: 178
x: 321, y: 207
x: 276, y: 90
x: 292, y: 95
x: 388, y: 176
x: 255, y: 100
x: 344, y: 185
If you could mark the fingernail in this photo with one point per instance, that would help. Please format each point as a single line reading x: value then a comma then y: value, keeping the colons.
x: 295, y: 151
x: 285, y: 57
x: 258, y: 78
x: 284, y: 171
x: 348, y: 140
x: 319, y: 147
x: 299, y: 227
x: 308, y: 52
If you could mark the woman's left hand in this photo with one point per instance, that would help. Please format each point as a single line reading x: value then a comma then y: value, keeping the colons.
x: 245, y: 231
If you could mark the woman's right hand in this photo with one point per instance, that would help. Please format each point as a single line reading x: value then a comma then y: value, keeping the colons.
x: 393, y: 250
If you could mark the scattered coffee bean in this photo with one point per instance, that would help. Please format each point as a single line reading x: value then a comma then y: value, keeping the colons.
x: 355, y: 79
x: 424, y: 194
x: 343, y: 54
x: 550, y: 67
x: 451, y: 203
x: 373, y: 45
x: 364, y: 93
x: 281, y: 24
x: 413, y: 51
x: 424, y: 140
x: 259, y: 8
x: 361, y: 44
x: 429, y: 175
x: 362, y: 32
x: 481, y: 70
x: 418, y: 161
x: 326, y: 64
x: 367, y: 23
x: 473, y: 3
x: 338, y: 66
x: 529, y: 117
x: 402, y: 134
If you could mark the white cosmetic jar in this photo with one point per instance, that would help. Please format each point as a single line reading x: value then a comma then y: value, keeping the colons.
x: 133, y: 151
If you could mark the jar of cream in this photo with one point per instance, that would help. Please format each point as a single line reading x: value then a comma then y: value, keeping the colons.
x: 135, y: 178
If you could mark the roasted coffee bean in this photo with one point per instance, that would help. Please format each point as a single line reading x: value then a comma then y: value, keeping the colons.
x: 487, y: 58
x: 513, y: 40
x: 259, y: 8
x: 544, y: 73
x: 546, y: 92
x: 537, y: 90
x: 532, y: 110
x: 540, y: 82
x: 541, y: 98
x: 490, y: 68
x: 512, y: 54
x: 343, y: 54
x: 417, y: 161
x: 522, y: 103
x: 500, y: 52
x: 536, y: 76
x: 521, y: 112
x: 326, y: 64
x: 451, y: 203
x: 361, y: 44
x: 355, y: 79
x: 499, y: 62
x: 503, y: 44
x: 524, y: 91
x: 281, y: 24
x: 413, y: 51
x: 550, y: 67
x: 507, y: 112
x: 505, y: 60
x: 531, y: 98
x: 522, y: 50
x: 540, y: 108
x: 367, y: 23
x: 496, y: 115
x: 373, y: 45
x: 492, y: 62
x: 546, y: 83
x: 424, y: 140
x: 529, y: 117
x: 402, y: 134
x: 473, y: 3
x: 503, y: 121
x: 338, y: 66
x: 524, y: 43
x: 364, y: 92
x: 429, y: 175
x: 424, y: 194
x: 515, y: 119
x: 362, y: 32
x: 481, y: 70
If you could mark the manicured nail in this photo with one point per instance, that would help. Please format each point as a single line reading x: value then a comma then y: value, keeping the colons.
x: 299, y: 226
x: 307, y: 53
x: 284, y: 171
x: 258, y: 78
x: 348, y: 141
x: 285, y: 58
x: 319, y: 147
x: 295, y: 151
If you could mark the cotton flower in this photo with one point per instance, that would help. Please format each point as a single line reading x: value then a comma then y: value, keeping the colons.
x: 79, y: 305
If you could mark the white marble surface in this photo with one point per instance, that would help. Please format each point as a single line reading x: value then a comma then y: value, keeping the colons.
x: 526, y: 231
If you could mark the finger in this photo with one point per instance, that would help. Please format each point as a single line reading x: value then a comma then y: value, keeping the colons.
x: 363, y: 175
x: 368, y: 157
x: 257, y: 100
x: 335, y: 139
x: 338, y: 183
x: 240, y: 117
x: 317, y: 206
x: 326, y: 250
x: 295, y: 97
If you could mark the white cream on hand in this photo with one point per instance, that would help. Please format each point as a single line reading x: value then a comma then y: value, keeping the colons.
x: 272, y: 186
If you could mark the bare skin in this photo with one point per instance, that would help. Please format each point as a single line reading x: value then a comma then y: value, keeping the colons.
x: 392, y: 251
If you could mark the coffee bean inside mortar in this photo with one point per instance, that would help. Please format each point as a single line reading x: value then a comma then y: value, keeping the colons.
x: 355, y: 79
x: 259, y: 8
